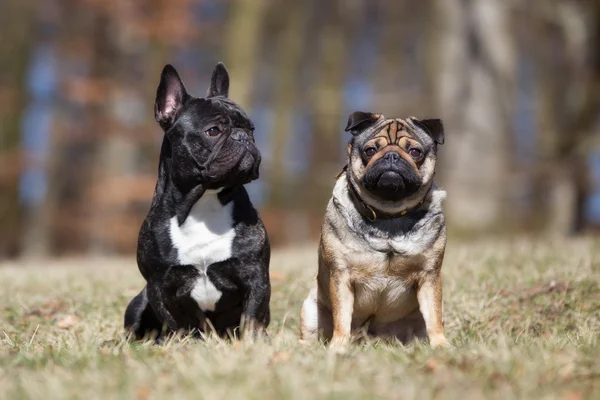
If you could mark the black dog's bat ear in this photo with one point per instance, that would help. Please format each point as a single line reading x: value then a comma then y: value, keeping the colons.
x: 433, y: 127
x: 219, y: 82
x: 170, y: 97
x: 359, y: 121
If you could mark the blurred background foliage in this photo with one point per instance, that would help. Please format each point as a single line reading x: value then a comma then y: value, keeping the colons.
x: 517, y: 83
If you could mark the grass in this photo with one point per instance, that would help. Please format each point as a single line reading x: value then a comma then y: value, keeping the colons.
x: 523, y: 315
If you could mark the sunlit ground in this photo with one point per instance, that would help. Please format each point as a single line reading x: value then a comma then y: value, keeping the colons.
x: 524, y: 317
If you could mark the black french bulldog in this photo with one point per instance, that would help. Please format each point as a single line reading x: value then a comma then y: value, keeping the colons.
x: 203, y: 248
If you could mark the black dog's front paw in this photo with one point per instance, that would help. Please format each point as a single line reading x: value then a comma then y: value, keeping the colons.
x: 254, y: 331
x: 266, y: 338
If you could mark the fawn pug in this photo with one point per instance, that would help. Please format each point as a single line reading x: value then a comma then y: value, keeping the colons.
x: 383, y: 238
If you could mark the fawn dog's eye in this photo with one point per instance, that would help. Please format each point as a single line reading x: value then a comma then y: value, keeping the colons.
x: 370, y: 151
x: 416, y: 153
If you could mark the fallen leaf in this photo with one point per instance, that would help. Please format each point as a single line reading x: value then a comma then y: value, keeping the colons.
x: 276, y: 276
x: 573, y: 396
x: 143, y: 393
x: 236, y: 345
x: 566, y: 371
x: 279, y: 356
x: 431, y: 365
x: 48, y: 309
x: 282, y: 356
x: 67, y: 321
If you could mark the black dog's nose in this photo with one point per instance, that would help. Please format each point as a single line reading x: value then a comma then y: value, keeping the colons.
x: 392, y: 157
x: 239, y: 135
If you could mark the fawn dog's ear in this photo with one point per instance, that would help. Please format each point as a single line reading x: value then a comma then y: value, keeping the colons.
x: 358, y: 121
x: 433, y: 127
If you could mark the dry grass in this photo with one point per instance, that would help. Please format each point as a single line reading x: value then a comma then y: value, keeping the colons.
x: 523, y: 316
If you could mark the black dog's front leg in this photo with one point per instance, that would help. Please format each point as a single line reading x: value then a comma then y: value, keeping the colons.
x: 170, y: 298
x: 255, y: 308
x: 157, y: 300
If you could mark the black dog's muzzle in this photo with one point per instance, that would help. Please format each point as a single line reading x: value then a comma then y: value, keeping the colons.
x: 238, y: 135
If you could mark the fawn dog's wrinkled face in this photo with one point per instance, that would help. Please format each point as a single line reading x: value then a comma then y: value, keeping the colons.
x: 392, y: 161
x: 211, y: 138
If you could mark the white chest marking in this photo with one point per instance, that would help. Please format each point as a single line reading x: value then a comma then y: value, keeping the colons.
x: 204, y: 238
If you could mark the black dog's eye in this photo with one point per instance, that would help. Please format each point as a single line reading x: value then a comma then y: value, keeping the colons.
x: 214, y: 131
x: 370, y: 151
x: 415, y: 153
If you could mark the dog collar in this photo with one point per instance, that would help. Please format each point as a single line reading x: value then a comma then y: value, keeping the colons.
x: 369, y: 212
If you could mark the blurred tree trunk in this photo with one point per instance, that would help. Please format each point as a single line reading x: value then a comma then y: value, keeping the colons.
x: 103, y: 63
x: 242, y: 43
x: 568, y: 100
x: 291, y: 20
x: 394, y: 80
x: 473, y: 72
x: 16, y: 20
x: 327, y: 91
x: 116, y: 152
x: 389, y: 58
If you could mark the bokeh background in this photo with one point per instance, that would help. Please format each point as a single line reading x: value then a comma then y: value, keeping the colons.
x: 517, y: 83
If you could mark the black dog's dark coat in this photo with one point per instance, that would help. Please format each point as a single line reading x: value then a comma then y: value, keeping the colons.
x: 208, y: 150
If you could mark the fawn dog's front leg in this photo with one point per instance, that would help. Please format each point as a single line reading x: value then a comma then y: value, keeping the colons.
x: 429, y: 295
x: 341, y: 294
